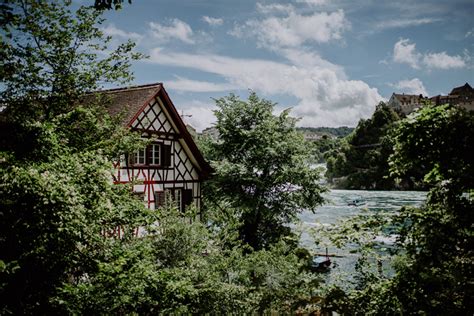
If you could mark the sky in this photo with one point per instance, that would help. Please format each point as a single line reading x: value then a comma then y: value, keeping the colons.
x: 330, y: 61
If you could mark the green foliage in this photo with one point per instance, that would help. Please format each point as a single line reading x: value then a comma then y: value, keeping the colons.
x: 56, y: 194
x: 435, y: 144
x: 51, y: 56
x: 362, y: 161
x: 368, y: 290
x: 434, y: 262
x: 261, y: 169
x: 338, y: 132
x: 184, y: 270
x: 61, y: 252
x: 323, y: 146
x: 52, y: 223
x: 82, y: 129
x: 437, y: 274
x: 109, y: 4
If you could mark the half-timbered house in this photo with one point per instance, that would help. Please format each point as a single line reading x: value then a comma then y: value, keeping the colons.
x: 171, y: 164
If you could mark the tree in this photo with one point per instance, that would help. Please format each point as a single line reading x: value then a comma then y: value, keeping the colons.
x: 261, y: 169
x: 50, y: 57
x: 56, y: 196
x: 363, y: 160
x: 323, y: 146
x: 436, y: 275
x: 434, y: 262
x: 435, y: 144
x: 60, y: 250
x: 109, y: 4
x: 184, y: 269
x: 53, y: 226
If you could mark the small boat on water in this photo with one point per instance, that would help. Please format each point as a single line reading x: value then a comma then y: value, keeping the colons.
x: 320, y: 263
x: 356, y: 201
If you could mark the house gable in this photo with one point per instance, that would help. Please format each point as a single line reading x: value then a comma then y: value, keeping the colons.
x: 406, y: 103
x: 172, y: 162
x: 158, y: 116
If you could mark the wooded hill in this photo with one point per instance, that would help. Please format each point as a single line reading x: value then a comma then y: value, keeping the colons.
x: 329, y: 131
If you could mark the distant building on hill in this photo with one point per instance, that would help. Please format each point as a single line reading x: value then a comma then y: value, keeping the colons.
x: 211, y: 132
x: 406, y: 103
x: 192, y: 131
x: 462, y: 96
x: 312, y: 136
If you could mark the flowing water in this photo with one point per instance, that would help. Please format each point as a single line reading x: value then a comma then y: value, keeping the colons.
x: 337, y: 209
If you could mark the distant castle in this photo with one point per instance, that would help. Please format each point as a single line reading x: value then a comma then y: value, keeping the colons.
x: 406, y: 103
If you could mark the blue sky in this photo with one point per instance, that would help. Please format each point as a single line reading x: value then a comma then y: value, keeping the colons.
x: 330, y: 61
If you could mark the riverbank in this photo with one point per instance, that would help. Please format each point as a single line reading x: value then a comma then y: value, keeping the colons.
x: 337, y: 209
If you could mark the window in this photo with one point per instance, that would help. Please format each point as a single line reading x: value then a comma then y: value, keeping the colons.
x: 178, y: 199
x: 137, y: 157
x: 140, y: 156
x: 160, y: 199
x: 187, y: 197
x: 181, y: 197
x: 164, y: 197
x: 159, y: 155
x: 165, y: 155
x: 155, y: 154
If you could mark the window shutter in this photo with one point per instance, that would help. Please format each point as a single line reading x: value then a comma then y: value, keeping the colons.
x: 159, y: 199
x: 187, y: 197
x: 169, y: 193
x: 148, y: 156
x: 127, y: 161
x: 166, y: 155
x: 131, y: 158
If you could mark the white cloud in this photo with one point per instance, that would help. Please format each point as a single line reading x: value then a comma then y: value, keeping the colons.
x: 404, y: 52
x: 443, y: 61
x: 183, y: 84
x: 313, y: 2
x: 274, y: 8
x: 202, y: 115
x: 112, y: 30
x: 401, y: 23
x: 302, y: 58
x: 336, y: 102
x: 176, y: 29
x: 212, y: 21
x: 413, y: 86
x: 325, y: 96
x: 293, y: 29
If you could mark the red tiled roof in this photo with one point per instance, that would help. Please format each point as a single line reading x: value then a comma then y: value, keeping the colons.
x: 466, y: 89
x: 408, y: 97
x: 126, y: 101
x: 130, y: 101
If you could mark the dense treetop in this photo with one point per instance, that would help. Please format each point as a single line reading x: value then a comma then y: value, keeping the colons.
x: 361, y: 160
x: 262, y: 168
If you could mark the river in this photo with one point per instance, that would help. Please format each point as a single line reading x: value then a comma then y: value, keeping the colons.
x: 337, y: 208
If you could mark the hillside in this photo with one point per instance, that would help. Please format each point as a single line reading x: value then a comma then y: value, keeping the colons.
x: 337, y: 132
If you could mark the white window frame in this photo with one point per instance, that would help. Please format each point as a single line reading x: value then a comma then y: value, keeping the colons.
x: 140, y: 156
x: 155, y: 154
